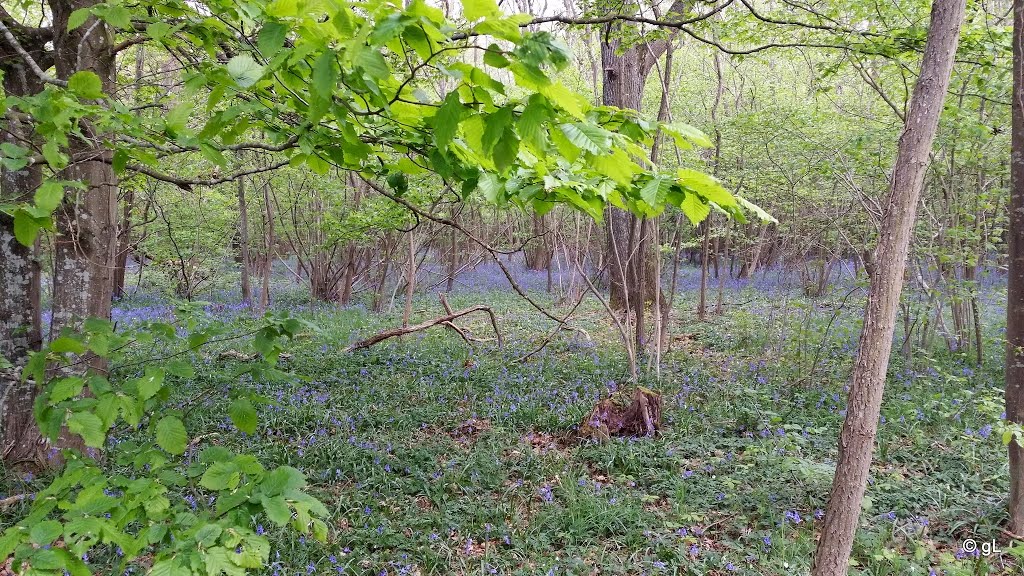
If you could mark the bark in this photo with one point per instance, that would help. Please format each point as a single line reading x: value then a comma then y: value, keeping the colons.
x: 85, y: 246
x: 1014, y: 393
x: 243, y: 243
x: 538, y: 255
x: 856, y: 440
x: 20, y: 332
x: 269, y: 241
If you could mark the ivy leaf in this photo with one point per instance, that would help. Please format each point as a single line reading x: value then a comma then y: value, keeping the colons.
x: 244, y: 70
x: 89, y: 427
x: 171, y: 435
x: 86, y: 84
x: 243, y: 415
x: 477, y: 9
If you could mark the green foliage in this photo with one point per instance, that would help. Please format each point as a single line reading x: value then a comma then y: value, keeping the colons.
x: 90, y: 509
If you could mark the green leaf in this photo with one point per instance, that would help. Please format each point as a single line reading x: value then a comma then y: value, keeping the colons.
x: 587, y: 137
x: 282, y: 479
x: 490, y: 185
x: 476, y: 9
x: 45, y: 532
x: 68, y: 344
x: 115, y: 15
x: 760, y: 212
x: 277, y: 509
x: 494, y: 127
x: 66, y: 388
x: 78, y: 17
x: 494, y: 57
x: 533, y: 120
x: 695, y: 209
x: 150, y: 383
x: 446, y: 120
x: 654, y: 191
x: 171, y: 435
x: 707, y: 186
x: 271, y: 38
x: 208, y: 534
x: 243, y: 415
x: 89, y: 427
x: 86, y: 84
x: 372, y: 62
x: 244, y: 70
x: 221, y: 476
x: 325, y: 75
x: 616, y: 166
x: 26, y: 227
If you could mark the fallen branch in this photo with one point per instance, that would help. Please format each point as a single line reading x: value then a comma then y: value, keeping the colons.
x: 441, y: 320
x: 12, y: 500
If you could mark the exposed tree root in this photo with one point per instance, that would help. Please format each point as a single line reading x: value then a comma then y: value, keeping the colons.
x: 622, y: 414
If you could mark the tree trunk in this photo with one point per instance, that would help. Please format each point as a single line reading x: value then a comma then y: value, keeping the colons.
x: 856, y: 440
x: 410, y: 279
x: 86, y: 242
x: 243, y: 244
x: 1014, y: 393
x: 20, y: 331
x: 269, y: 241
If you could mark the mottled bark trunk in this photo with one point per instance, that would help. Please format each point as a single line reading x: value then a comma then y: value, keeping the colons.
x: 1014, y: 393
x: 20, y: 331
x: 86, y: 242
x: 857, y: 438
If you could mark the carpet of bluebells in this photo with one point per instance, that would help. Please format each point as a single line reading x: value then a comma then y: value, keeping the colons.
x: 438, y: 458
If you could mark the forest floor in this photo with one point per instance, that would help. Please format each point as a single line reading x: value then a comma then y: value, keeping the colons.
x: 435, y: 458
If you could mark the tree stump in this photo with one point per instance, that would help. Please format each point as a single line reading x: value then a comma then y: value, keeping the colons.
x: 630, y: 415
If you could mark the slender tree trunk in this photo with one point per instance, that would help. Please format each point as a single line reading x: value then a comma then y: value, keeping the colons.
x: 269, y: 241
x: 243, y: 244
x: 704, y: 251
x: 857, y: 438
x: 1014, y: 394
x: 410, y: 279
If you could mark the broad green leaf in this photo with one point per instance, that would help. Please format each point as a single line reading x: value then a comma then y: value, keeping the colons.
x: 244, y: 70
x: 695, y: 209
x: 707, y: 186
x: 65, y: 388
x: 446, y: 120
x: 86, y: 84
x: 474, y: 10
x: 171, y: 435
x: 221, y: 476
x: 243, y: 415
x: 587, y: 137
x: 68, y: 344
x: 325, y: 75
x: 78, y: 17
x: 89, y: 427
x: 756, y: 210
x: 45, y: 532
x: 271, y: 38
x: 277, y: 509
x: 282, y: 479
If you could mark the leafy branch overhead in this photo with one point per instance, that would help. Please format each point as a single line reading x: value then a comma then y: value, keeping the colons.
x: 352, y: 85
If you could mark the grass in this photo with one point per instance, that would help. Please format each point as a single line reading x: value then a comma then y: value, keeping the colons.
x: 439, y: 459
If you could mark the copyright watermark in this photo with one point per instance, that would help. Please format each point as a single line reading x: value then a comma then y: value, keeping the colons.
x: 983, y: 548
